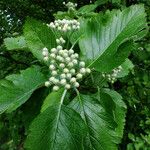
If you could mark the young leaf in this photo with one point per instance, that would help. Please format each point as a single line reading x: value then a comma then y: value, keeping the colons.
x: 38, y: 36
x: 17, y: 88
x: 108, y: 38
x: 18, y: 43
x: 58, y: 127
x: 99, y: 113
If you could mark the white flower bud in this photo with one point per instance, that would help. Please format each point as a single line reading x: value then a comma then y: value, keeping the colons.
x: 59, y: 47
x: 114, y: 74
x: 83, y: 70
x: 57, y: 41
x: 71, y: 51
x: 62, y: 40
x: 51, y: 79
x: 64, y: 29
x: 112, y: 81
x: 108, y: 75
x: 74, y: 21
x: 55, y: 88
x: 69, y: 28
x: 120, y: 67
x: 62, y: 65
x: 52, y: 67
x: 72, y: 71
x: 73, y: 56
x: 65, y: 55
x: 79, y: 76
x: 66, y: 70
x: 63, y: 76
x: 88, y: 70
x: 54, y: 50
x: 68, y: 86
x: 68, y: 59
x: 103, y: 75
x: 46, y: 58
x: 61, y: 52
x: 59, y: 58
x: 66, y: 51
x: 52, y: 55
x: 54, y: 73
x: 45, y: 49
x: 56, y: 24
x: 82, y: 64
x: 70, y: 64
x: 78, y: 23
x: 75, y: 61
x: 56, y: 81
x: 76, y: 84
x: 47, y: 84
x: 115, y: 71
x: 78, y: 27
x: 68, y: 75
x: 74, y: 27
x: 45, y: 53
x: 76, y: 55
x: 63, y: 82
x: 59, y: 28
x: 73, y: 80
x: 52, y: 25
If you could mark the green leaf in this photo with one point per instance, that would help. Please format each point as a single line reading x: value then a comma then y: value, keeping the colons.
x: 127, y: 66
x: 51, y: 99
x: 100, y: 113
x: 101, y: 2
x: 87, y: 8
x: 38, y: 36
x: 108, y: 37
x: 18, y: 43
x: 119, y: 110
x: 58, y: 127
x: 16, y: 89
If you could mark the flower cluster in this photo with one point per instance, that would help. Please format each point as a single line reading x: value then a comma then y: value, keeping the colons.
x: 70, y: 5
x: 112, y: 77
x: 65, y: 25
x: 65, y: 67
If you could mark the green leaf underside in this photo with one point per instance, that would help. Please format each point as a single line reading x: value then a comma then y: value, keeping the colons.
x: 18, y: 43
x: 38, y: 36
x: 99, y: 115
x: 57, y: 128
x: 17, y: 88
x: 105, y: 35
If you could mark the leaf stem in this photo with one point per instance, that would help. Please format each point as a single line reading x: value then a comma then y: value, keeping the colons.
x: 76, y: 42
x: 77, y: 92
x: 63, y: 96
